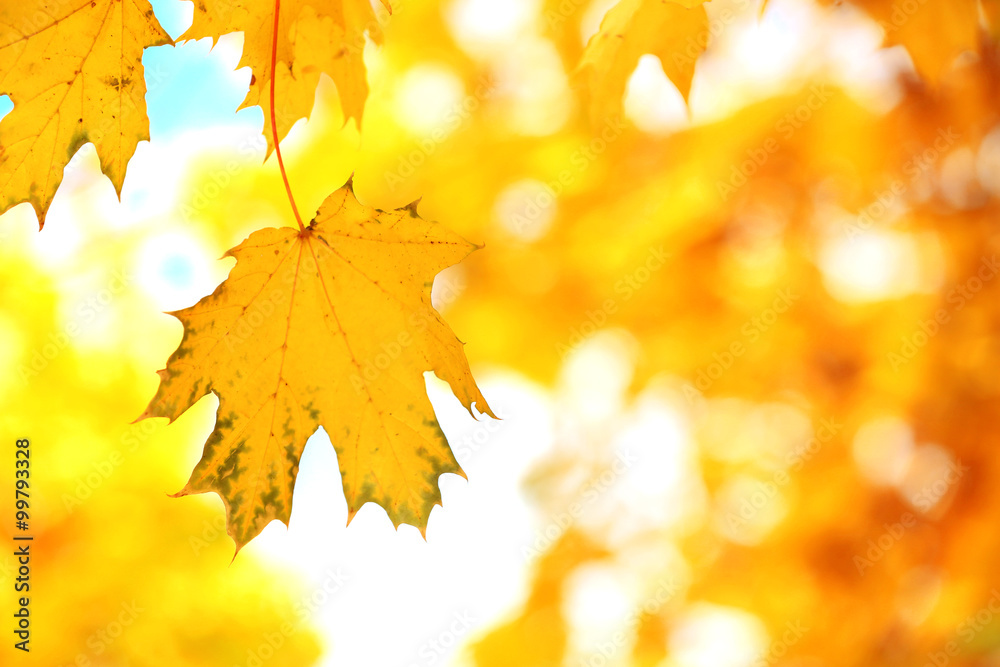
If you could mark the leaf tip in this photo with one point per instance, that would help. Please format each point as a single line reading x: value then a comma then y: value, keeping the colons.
x: 236, y: 552
x: 40, y: 212
x: 483, y: 407
x: 412, y: 207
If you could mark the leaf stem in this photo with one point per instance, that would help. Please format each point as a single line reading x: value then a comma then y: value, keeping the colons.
x: 274, y: 120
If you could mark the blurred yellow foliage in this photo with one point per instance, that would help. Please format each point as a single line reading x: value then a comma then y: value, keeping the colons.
x: 121, y: 574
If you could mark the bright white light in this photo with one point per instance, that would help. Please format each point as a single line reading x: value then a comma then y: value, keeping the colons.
x: 66, y: 227
x: 872, y: 265
x: 469, y: 574
x: 60, y: 239
x: 793, y: 43
x: 853, y: 46
x: 597, y: 603
x: 710, y: 635
x: 596, y: 374
x: 749, y: 59
x: 449, y: 284
x: 176, y: 270
x: 662, y: 487
x: 652, y: 102
x: 766, y: 50
x: 481, y: 26
x: 427, y: 100
x: 152, y: 186
x: 657, y: 437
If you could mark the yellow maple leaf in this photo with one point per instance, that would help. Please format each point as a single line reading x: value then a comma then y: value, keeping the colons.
x: 934, y: 33
x: 313, y: 37
x: 74, y: 73
x: 331, y: 326
x: 676, y: 31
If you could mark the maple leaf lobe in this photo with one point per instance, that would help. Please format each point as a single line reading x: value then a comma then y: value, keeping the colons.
x: 74, y: 73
